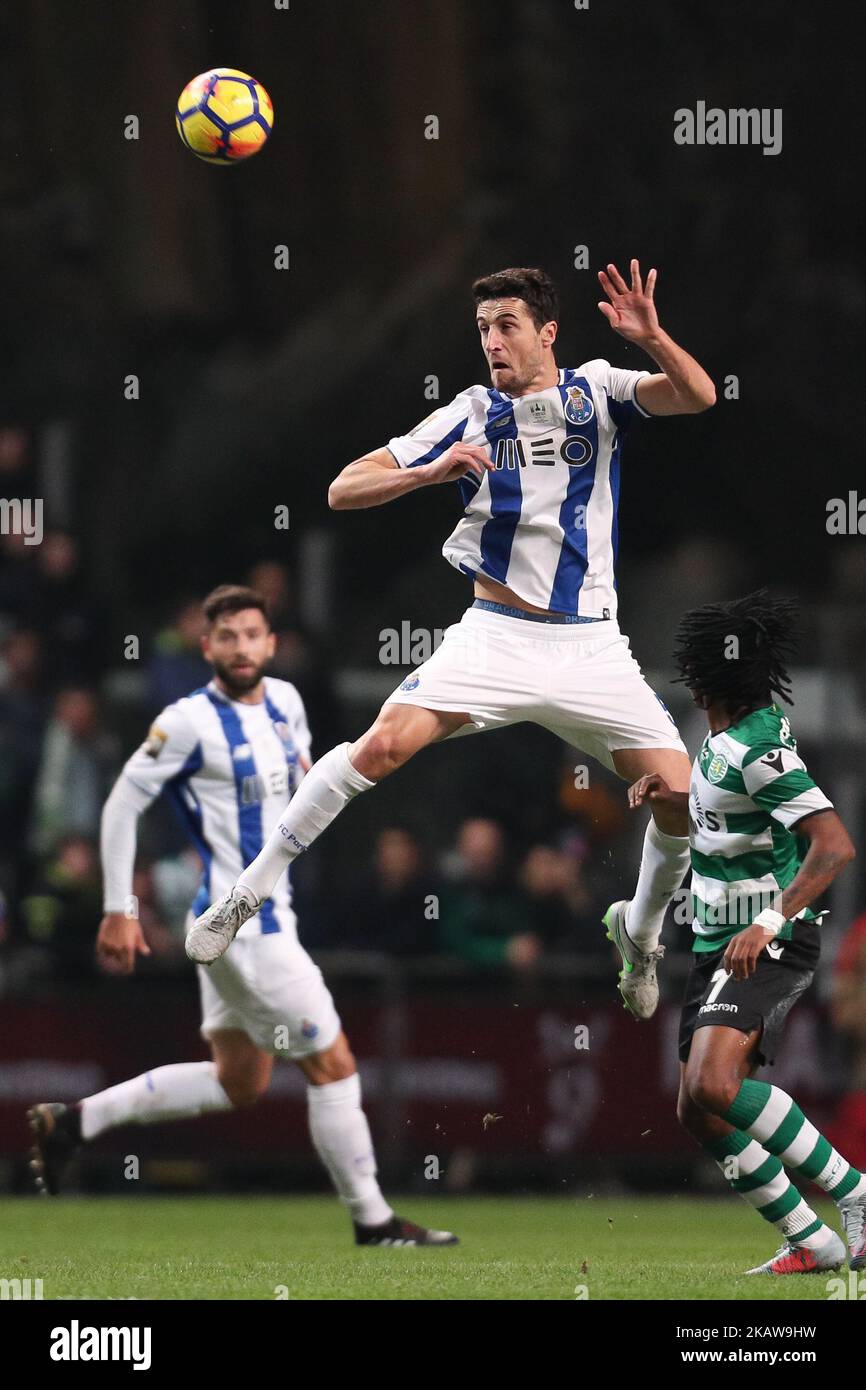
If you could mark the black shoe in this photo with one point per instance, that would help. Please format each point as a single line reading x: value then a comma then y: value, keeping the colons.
x: 57, y: 1134
x: 396, y: 1231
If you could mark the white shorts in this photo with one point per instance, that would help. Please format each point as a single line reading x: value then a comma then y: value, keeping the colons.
x: 269, y: 988
x: 579, y: 680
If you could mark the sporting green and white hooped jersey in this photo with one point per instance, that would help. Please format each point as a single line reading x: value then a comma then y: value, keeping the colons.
x: 749, y: 787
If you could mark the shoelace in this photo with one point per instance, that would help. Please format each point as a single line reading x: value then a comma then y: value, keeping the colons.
x: 854, y: 1221
x: 650, y: 961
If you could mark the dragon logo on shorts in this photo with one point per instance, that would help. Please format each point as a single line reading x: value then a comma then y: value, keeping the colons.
x: 308, y: 1028
x: 410, y: 682
x: 717, y: 768
x: 578, y: 408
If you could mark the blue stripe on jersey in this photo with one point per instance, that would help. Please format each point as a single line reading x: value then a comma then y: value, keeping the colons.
x: 293, y: 757
x: 180, y: 795
x: 452, y: 437
x: 506, y: 489
x: 249, y: 814
x: 614, y: 492
x: 581, y: 443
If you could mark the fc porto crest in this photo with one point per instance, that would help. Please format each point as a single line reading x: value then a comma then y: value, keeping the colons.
x: 578, y: 406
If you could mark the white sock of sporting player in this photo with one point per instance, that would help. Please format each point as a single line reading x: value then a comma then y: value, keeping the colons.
x: 341, y: 1136
x: 663, y: 866
x: 329, y: 785
x: 166, y: 1093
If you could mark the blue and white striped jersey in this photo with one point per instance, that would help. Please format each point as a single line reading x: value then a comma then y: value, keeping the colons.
x: 229, y: 768
x: 545, y: 521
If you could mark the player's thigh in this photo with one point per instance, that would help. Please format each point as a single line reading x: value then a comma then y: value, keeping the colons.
x: 334, y: 1063
x: 399, y: 732
x: 671, y: 763
x: 600, y: 702
x: 719, y: 1060
x: 243, y: 1069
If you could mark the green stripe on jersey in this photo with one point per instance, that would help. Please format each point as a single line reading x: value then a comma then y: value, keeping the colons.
x: 742, y: 781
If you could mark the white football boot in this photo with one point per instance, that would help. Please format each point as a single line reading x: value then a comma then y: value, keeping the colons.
x: 853, y: 1216
x: 213, y: 932
x: 802, y: 1259
x: 638, y: 983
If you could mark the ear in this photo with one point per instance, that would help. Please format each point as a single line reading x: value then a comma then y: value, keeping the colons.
x: 549, y: 332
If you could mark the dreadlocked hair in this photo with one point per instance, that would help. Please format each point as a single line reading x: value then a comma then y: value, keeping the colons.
x: 738, y: 673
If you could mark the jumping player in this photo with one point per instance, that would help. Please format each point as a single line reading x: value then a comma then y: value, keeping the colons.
x: 228, y: 755
x: 536, y: 455
x: 765, y: 844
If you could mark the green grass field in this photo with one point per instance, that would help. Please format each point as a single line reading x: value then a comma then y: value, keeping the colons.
x: 246, y: 1248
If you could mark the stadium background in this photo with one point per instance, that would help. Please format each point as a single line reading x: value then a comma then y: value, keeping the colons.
x: 126, y: 257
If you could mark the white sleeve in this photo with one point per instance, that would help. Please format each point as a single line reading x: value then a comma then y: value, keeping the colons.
x: 170, y: 744
x: 117, y: 843
x: 434, y: 435
x: 168, y: 748
x: 620, y: 385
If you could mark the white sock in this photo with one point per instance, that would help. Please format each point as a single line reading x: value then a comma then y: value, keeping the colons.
x: 329, y: 785
x: 663, y: 866
x: 166, y: 1093
x: 341, y: 1135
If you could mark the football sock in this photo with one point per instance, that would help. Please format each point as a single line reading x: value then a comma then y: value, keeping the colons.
x: 166, y: 1093
x: 329, y: 785
x: 663, y: 866
x: 341, y: 1136
x: 761, y: 1180
x: 769, y: 1115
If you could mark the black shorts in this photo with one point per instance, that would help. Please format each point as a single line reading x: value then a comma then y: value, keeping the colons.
x: 763, y: 1001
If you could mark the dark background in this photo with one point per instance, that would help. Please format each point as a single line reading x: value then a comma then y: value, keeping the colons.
x: 122, y: 257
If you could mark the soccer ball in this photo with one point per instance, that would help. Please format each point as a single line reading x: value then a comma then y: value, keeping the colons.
x: 224, y: 115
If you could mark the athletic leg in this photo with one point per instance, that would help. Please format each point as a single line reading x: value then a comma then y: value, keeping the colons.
x: 341, y: 1137
x: 720, y: 1062
x: 399, y: 732
x: 238, y: 1074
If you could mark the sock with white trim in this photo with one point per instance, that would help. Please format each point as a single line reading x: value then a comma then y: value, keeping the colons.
x: 328, y: 787
x: 341, y: 1136
x: 760, y: 1179
x: 663, y: 866
x: 769, y: 1115
x: 166, y: 1093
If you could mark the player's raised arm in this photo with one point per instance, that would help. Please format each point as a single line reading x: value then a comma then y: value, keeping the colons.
x: 682, y: 387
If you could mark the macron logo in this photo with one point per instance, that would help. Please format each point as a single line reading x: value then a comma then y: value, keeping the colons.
x: 77, y: 1343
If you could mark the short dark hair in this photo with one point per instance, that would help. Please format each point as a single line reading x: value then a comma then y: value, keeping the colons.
x: 766, y: 633
x: 233, y: 598
x: 533, y: 286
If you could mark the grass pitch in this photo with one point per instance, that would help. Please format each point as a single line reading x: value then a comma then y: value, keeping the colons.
x: 300, y: 1248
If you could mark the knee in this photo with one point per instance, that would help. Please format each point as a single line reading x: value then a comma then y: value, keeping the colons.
x: 337, y: 1064
x: 711, y: 1090
x: 382, y: 750
x: 243, y: 1084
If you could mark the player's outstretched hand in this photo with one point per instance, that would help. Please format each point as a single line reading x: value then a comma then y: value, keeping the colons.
x: 631, y: 312
x: 741, y: 957
x: 458, y: 461
x: 120, y: 938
